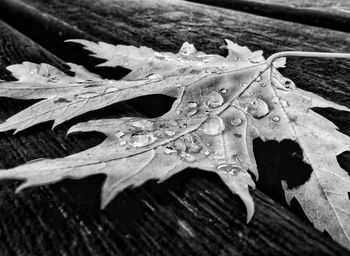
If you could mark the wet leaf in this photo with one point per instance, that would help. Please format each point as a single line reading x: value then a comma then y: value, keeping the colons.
x: 222, y: 104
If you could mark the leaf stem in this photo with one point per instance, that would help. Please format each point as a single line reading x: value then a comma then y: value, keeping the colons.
x: 277, y: 55
x: 269, y: 61
x: 306, y: 54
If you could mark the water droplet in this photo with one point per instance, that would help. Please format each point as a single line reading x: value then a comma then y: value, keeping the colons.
x: 87, y: 95
x: 244, y: 84
x: 282, y: 83
x: 236, y: 121
x: 257, y: 107
x: 284, y: 103
x: 169, y: 150
x: 177, y: 112
x: 254, y: 61
x: 224, y: 68
x: 192, y: 112
x: 258, y: 79
x: 194, y: 148
x: 188, y: 157
x: 193, y: 143
x: 119, y: 134
x: 223, y: 167
x: 276, y: 118
x: 214, y: 100
x: 210, y: 70
x: 206, y: 152
x: 232, y: 169
x: 235, y: 158
x: 122, y: 142
x: 163, y: 125
x: 155, y: 77
x: 223, y: 91
x: 187, y: 49
x: 179, y: 144
x: 263, y: 85
x: 288, y: 84
x: 169, y: 133
x: 141, y: 139
x: 192, y: 105
x: 213, y: 126
x: 111, y: 89
x: 143, y: 124
x: 178, y: 85
x: 306, y: 99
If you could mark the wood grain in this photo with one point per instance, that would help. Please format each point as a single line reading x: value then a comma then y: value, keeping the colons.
x: 329, y: 6
x: 323, y: 13
x: 192, y: 213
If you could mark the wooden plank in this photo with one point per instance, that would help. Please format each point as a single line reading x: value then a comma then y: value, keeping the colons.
x: 341, y: 7
x: 311, y: 13
x: 154, y: 219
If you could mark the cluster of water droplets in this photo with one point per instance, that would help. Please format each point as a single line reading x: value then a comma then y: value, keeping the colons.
x: 210, y: 70
x: 211, y: 101
x: 192, y: 109
x: 187, y: 146
x: 139, y: 134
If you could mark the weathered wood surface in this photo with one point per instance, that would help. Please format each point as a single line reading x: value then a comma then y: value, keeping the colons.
x: 330, y: 6
x: 192, y: 213
x: 322, y: 13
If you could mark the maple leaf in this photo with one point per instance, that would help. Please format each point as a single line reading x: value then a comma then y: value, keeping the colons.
x: 222, y: 104
x: 191, y: 134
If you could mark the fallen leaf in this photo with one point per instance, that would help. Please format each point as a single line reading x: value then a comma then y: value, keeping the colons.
x: 222, y: 105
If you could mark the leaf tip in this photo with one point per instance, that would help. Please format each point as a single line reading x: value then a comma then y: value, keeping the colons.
x: 24, y: 185
x: 105, y: 200
x: 249, y: 204
x: 288, y: 196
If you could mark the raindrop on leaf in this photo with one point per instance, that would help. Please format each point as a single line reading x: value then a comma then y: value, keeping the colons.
x: 188, y: 157
x: 141, y: 140
x: 155, y: 77
x: 213, y: 126
x: 236, y: 121
x: 192, y: 112
x: 214, y: 100
x: 276, y: 118
x: 192, y: 105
